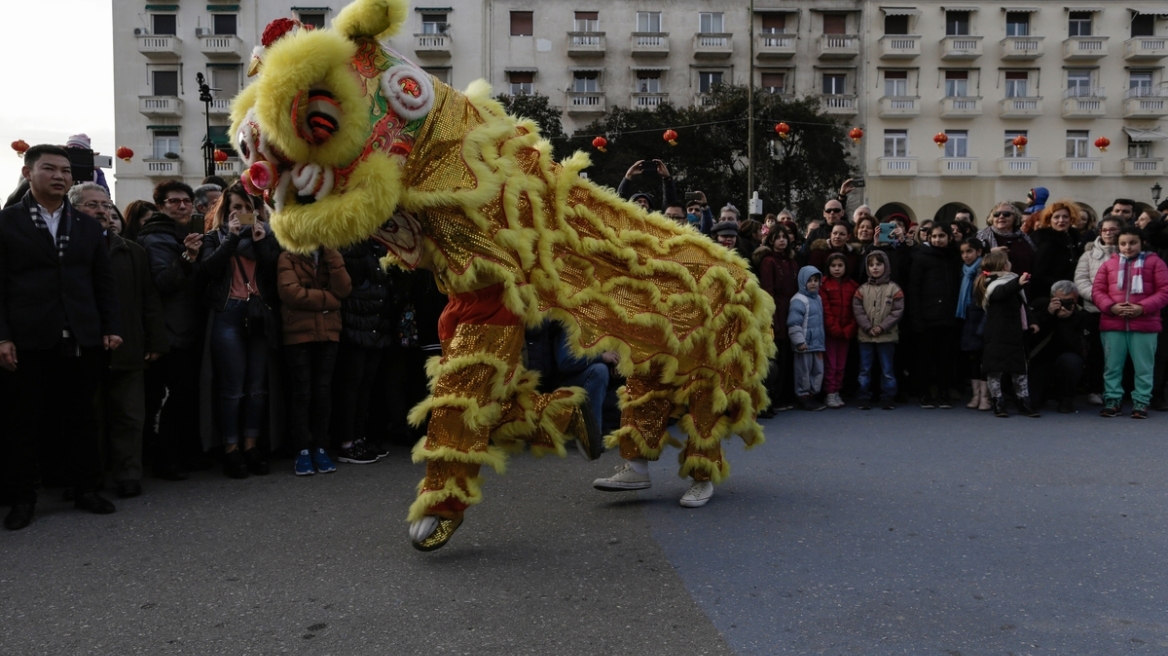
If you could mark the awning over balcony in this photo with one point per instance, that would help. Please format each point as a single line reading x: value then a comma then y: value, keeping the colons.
x: 1149, y: 12
x: 775, y: 10
x: 959, y: 8
x: 433, y: 10
x: 1139, y: 134
x: 900, y: 11
x: 1092, y: 10
x: 516, y: 69
x: 648, y: 68
x: 1021, y: 10
x: 586, y: 69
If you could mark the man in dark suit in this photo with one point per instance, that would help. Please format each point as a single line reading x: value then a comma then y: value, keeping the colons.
x: 58, y: 314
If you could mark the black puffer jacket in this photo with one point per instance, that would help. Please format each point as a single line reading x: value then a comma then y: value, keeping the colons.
x: 1056, y: 255
x: 934, y: 287
x: 182, y: 305
x: 366, y: 312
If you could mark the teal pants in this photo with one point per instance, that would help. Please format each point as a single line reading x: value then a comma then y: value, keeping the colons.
x: 1117, y: 346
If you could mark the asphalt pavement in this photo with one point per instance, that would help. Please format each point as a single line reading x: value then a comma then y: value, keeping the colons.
x: 881, y: 532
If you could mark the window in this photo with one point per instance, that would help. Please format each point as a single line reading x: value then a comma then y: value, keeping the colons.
x: 1078, y: 83
x: 440, y: 72
x: 224, y: 81
x: 1077, y: 143
x: 164, y: 24
x: 648, y: 82
x: 648, y: 21
x: 896, y: 24
x: 522, y: 23
x: 707, y: 80
x: 710, y: 22
x: 896, y: 143
x: 957, y: 23
x: 586, y: 81
x: 1016, y: 84
x: 896, y: 83
x: 1139, y: 84
x: 522, y: 84
x: 835, y: 23
x: 1079, y: 24
x: 958, y: 144
x: 165, y: 83
x: 1010, y: 149
x: 1139, y: 150
x: 586, y: 21
x: 1143, y: 25
x: 224, y: 23
x: 165, y: 141
x: 434, y: 24
x: 956, y: 84
x: 774, y: 82
x: 1017, y: 23
x: 834, y: 84
x: 774, y: 23
x: 313, y: 18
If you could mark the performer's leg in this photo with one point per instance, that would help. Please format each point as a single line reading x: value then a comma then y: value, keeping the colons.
x: 646, y: 406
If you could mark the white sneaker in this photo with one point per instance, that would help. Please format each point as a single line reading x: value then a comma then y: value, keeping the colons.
x: 1095, y: 399
x: 625, y: 478
x: 834, y: 400
x: 698, y: 494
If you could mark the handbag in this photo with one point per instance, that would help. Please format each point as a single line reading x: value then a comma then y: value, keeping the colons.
x: 259, y: 319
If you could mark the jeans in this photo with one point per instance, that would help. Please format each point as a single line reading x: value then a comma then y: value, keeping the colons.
x: 886, y: 352
x: 594, y: 380
x: 1117, y: 345
x: 356, y: 372
x: 835, y: 359
x: 310, y: 373
x: 241, y: 373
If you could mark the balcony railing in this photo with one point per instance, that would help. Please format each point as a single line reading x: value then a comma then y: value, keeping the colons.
x: 1149, y: 166
x: 160, y: 106
x: 713, y: 45
x: 163, y: 168
x: 1081, y: 166
x: 898, y: 166
x: 961, y: 47
x: 900, y: 107
x: 220, y: 107
x: 774, y: 46
x: 160, y: 47
x: 1145, y: 48
x: 1146, y: 102
x: 960, y: 106
x: 221, y: 46
x: 900, y: 46
x: 1085, y: 48
x: 958, y: 166
x: 839, y: 105
x: 838, y: 46
x: 232, y: 167
x: 1020, y: 107
x: 1084, y: 102
x: 704, y: 100
x: 586, y: 102
x: 650, y: 44
x: 586, y: 44
x: 432, y: 45
x: 1018, y: 166
x: 1022, y: 47
x: 647, y: 100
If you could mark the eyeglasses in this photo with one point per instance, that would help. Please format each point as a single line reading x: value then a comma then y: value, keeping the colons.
x: 93, y: 205
x: 1001, y: 214
x: 833, y: 210
x: 179, y: 201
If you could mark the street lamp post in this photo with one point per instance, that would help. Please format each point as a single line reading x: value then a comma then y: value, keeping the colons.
x: 1156, y: 189
x: 205, y: 97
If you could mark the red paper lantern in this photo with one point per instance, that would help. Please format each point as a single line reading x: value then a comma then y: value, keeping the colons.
x: 784, y: 130
x: 123, y: 153
x: 855, y: 135
x: 671, y: 137
x: 220, y: 156
x: 20, y: 146
x: 1102, y: 143
x: 1020, y: 142
x: 599, y: 143
x: 940, y: 139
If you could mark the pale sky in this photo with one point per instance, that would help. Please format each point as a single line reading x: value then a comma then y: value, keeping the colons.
x: 56, y: 70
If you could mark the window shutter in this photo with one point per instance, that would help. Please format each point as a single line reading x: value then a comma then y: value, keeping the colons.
x: 774, y: 22
x: 522, y: 23
x: 835, y: 23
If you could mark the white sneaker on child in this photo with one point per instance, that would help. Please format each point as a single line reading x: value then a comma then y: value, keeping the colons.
x: 625, y: 478
x: 834, y: 400
x: 1095, y: 399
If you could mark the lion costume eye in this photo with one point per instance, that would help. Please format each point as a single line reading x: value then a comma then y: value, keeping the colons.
x: 321, y: 117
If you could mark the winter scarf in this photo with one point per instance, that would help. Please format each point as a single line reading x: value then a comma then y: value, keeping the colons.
x: 1137, y: 274
x: 965, y: 297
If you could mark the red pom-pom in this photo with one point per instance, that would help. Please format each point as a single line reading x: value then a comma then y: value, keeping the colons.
x: 277, y: 29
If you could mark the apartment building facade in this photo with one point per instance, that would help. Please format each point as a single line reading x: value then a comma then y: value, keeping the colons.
x: 1061, y: 75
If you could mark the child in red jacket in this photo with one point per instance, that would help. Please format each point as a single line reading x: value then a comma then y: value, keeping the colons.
x: 837, y: 291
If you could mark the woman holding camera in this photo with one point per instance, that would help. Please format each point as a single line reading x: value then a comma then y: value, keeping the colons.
x: 238, y: 261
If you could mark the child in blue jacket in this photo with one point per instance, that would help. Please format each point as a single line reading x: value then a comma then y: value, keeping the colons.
x: 808, y: 338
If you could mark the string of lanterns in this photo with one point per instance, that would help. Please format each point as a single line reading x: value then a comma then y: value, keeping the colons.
x: 671, y: 136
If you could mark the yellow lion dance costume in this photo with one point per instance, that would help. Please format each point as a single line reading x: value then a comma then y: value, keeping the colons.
x: 349, y: 140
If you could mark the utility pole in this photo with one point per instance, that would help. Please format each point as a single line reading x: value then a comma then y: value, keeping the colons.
x: 205, y: 97
x: 750, y: 106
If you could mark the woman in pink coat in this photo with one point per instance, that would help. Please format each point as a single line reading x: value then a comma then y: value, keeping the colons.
x: 1129, y: 290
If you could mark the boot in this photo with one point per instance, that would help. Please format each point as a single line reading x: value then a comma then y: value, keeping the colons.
x: 976, y: 396
x: 984, y: 404
x: 1026, y: 409
x: 999, y: 407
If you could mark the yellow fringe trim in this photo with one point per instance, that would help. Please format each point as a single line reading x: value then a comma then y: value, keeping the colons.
x: 698, y: 463
x: 427, y: 500
x: 493, y: 457
x: 613, y: 440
